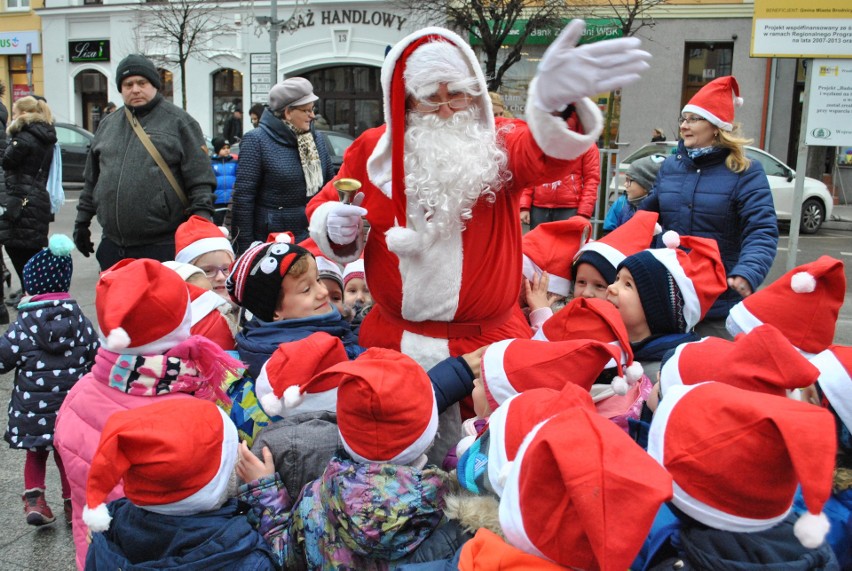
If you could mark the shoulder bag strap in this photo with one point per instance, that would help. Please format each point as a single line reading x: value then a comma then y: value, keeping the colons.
x: 155, y: 154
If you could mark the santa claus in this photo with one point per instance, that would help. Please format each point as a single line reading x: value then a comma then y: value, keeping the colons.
x: 442, y: 180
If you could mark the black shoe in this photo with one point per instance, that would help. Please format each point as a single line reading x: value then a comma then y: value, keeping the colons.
x: 15, y: 298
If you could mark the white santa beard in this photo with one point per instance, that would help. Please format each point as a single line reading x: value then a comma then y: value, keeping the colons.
x: 449, y: 165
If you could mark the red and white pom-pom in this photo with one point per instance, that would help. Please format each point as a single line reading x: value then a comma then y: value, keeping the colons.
x: 657, y: 228
x: 293, y: 396
x: 402, y: 240
x: 633, y: 373
x: 619, y: 386
x: 671, y: 239
x: 271, y: 405
x: 464, y: 444
x: 811, y: 529
x: 117, y: 340
x: 803, y: 282
x: 738, y: 101
x: 98, y: 519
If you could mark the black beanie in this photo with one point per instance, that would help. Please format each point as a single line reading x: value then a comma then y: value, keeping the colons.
x: 136, y: 64
x: 597, y: 261
x: 661, y: 299
x: 218, y: 143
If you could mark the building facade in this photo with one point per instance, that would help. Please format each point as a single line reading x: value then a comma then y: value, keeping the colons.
x: 21, y: 62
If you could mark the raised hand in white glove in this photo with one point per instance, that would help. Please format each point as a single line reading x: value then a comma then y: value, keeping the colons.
x: 569, y: 72
x: 344, y: 221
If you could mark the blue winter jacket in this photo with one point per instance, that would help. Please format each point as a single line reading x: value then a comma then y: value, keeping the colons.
x: 270, y: 193
x: 141, y: 540
x: 226, y: 175
x: 702, y: 197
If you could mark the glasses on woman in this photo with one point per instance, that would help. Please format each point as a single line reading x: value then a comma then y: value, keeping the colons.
x: 311, y: 111
x: 456, y: 104
x: 689, y: 120
x: 212, y: 271
x: 627, y: 182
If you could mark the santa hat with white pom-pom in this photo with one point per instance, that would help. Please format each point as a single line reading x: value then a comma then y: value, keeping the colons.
x: 507, y: 427
x: 598, y: 319
x: 198, y: 236
x: 513, y: 366
x: 803, y: 304
x: 581, y: 493
x: 717, y: 102
x: 763, y: 361
x: 550, y: 247
x: 290, y: 382
x: 163, y: 473
x: 737, y: 457
x: 677, y: 288
x: 143, y: 308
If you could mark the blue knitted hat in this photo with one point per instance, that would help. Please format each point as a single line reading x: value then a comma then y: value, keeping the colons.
x: 661, y: 298
x: 50, y: 270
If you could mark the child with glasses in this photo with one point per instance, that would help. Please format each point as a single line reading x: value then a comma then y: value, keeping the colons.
x: 638, y: 182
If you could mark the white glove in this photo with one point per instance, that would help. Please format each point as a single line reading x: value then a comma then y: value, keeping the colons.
x: 567, y: 73
x: 344, y: 221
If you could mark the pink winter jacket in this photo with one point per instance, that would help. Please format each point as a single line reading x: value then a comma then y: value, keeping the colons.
x: 78, y: 431
x: 577, y: 189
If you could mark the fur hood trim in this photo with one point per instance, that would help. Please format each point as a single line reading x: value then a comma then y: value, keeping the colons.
x: 18, y: 124
x: 473, y: 512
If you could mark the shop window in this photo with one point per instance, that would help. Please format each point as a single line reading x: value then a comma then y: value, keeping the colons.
x: 18, y: 77
x: 227, y: 97
x: 167, y: 86
x: 704, y: 62
x: 91, y: 87
x: 350, y: 98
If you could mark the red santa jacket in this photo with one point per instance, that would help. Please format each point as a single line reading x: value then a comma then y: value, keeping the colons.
x: 577, y: 189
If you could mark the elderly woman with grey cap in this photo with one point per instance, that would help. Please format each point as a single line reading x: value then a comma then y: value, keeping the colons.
x: 282, y: 164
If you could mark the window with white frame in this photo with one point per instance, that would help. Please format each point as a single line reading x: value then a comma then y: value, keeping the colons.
x: 17, y: 4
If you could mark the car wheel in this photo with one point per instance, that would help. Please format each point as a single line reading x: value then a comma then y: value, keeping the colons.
x: 813, y: 215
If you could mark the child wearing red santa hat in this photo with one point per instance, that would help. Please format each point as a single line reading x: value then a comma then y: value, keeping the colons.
x: 736, y: 458
x: 377, y: 500
x: 147, y: 353
x: 209, y: 310
x: 203, y: 244
x: 176, y: 513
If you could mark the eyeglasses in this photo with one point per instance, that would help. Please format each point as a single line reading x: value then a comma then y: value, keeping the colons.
x: 213, y: 271
x: 457, y: 104
x: 627, y: 182
x: 311, y: 111
x: 689, y: 120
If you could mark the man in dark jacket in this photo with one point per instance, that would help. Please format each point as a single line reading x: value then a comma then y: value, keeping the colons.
x: 137, y: 207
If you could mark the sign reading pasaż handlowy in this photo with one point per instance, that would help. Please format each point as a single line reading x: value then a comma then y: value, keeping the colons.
x: 830, y: 107
x: 797, y: 29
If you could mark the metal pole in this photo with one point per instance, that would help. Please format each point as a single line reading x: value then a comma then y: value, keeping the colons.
x: 274, y: 30
x: 801, y: 167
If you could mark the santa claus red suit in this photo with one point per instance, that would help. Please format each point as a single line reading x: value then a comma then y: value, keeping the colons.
x: 443, y: 258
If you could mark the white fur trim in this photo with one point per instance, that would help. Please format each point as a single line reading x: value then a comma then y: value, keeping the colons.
x: 612, y: 255
x: 159, y: 346
x: 670, y: 371
x: 697, y: 509
x: 319, y: 232
x: 803, y: 282
x: 494, y: 373
x: 556, y: 284
x: 671, y: 239
x: 811, y: 529
x: 201, y: 247
x: 117, y: 340
x: 497, y: 457
x: 691, y: 306
x: 210, y: 496
x: 292, y: 396
x: 741, y: 320
x: 722, y: 124
x: 413, y: 451
x: 324, y: 265
x: 205, y: 304
x: 97, y: 519
x: 511, y: 512
x: 427, y: 351
x: 270, y: 404
x: 551, y: 132
x: 836, y: 383
x: 314, y: 402
x: 379, y: 162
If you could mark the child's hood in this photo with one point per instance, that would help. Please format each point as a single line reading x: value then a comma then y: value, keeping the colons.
x: 382, y: 511
x: 56, y: 325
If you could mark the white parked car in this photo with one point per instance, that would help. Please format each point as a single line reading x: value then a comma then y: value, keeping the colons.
x: 817, y: 202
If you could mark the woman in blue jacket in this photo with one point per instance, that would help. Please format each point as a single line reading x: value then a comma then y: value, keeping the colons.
x: 282, y: 164
x: 710, y: 189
